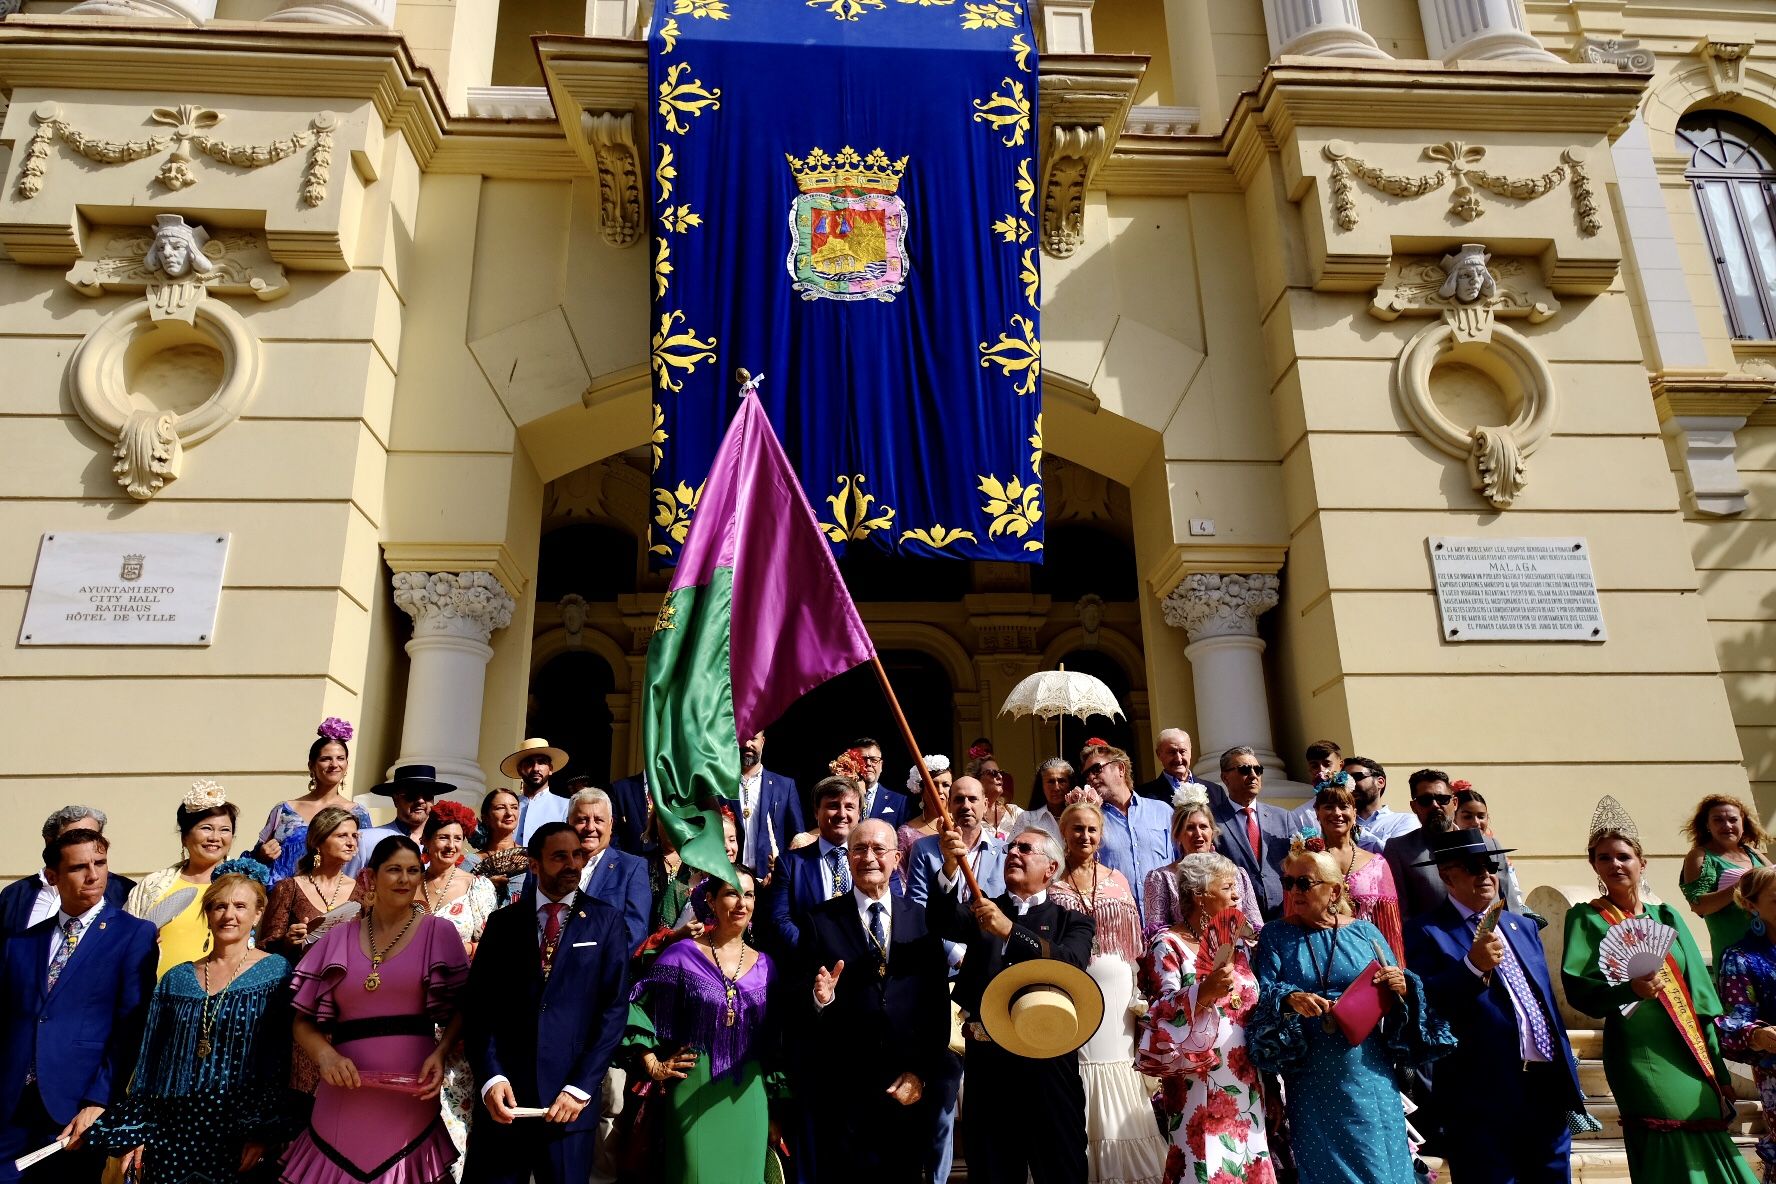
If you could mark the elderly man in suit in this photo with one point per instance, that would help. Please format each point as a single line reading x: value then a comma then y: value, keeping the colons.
x: 808, y: 875
x: 74, y: 989
x: 1025, y: 1118
x: 27, y: 901
x: 1172, y: 750
x: 616, y: 877
x: 1497, y: 995
x: 878, y: 994
x: 1254, y: 834
x: 767, y: 808
x: 545, y: 1005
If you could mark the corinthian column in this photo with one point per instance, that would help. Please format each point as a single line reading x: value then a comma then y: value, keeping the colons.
x: 1219, y: 613
x: 454, y: 614
x: 1479, y: 31
x: 1318, y: 28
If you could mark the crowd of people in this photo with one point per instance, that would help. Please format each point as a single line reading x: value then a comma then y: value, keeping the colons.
x: 1171, y: 980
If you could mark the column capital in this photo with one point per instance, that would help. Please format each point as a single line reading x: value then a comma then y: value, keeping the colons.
x: 465, y: 604
x: 1207, y: 605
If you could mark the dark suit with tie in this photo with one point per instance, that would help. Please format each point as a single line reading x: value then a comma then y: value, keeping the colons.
x: 630, y: 815
x: 543, y: 1034
x: 1522, y: 1137
x: 778, y: 800
x: 17, y: 898
x: 885, y: 1019
x: 891, y: 806
x: 1276, y: 826
x: 82, y: 1036
x: 1024, y: 1118
x: 797, y: 888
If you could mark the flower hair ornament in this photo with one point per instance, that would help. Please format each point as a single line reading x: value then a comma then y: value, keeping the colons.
x: 1190, y: 796
x: 204, y: 795
x: 1341, y: 779
x: 334, y: 728
x: 848, y: 764
x: 1308, y: 838
x: 251, y: 868
x: 936, y: 762
x: 1461, y: 786
x: 977, y: 751
x: 1086, y: 794
x: 458, y: 813
x: 1095, y: 742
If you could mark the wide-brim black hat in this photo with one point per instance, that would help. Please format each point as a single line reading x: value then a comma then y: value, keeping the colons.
x: 413, y: 779
x: 1452, y: 845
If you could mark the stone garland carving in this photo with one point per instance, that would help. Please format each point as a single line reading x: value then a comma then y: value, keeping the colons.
x: 176, y: 266
x: 612, y: 137
x: 1621, y: 52
x: 1460, y: 169
x: 1468, y: 294
x: 190, y: 124
x: 466, y: 604
x: 1071, y: 153
x: 1206, y: 605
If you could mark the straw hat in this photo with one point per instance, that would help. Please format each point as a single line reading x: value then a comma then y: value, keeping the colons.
x: 1041, y: 1008
x: 535, y: 746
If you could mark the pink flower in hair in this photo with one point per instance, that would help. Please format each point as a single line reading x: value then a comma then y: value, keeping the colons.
x: 334, y: 728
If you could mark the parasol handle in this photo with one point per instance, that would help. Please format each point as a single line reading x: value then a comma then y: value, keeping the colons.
x: 934, y: 803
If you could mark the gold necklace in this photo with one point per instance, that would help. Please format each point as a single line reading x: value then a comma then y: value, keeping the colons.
x: 425, y: 886
x: 328, y: 896
x: 730, y: 986
x: 374, y: 981
x: 206, y: 1018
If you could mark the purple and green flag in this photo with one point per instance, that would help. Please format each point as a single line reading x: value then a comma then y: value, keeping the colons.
x: 756, y: 617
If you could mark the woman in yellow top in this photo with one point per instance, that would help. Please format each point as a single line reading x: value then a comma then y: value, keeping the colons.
x: 206, y: 831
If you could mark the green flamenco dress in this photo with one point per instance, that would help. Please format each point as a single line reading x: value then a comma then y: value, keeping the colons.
x: 1672, y: 1116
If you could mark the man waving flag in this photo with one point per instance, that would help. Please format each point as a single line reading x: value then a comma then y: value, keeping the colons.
x: 757, y: 616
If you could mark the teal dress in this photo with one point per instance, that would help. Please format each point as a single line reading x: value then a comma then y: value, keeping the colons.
x: 1347, y: 1123
x: 1728, y: 926
x: 192, y: 1113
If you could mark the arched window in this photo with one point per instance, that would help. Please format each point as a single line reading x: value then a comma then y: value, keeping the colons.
x: 1733, y: 172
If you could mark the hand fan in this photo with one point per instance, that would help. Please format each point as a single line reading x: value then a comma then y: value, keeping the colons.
x: 1632, y: 949
x: 1730, y: 877
x: 328, y: 919
x: 1221, y: 939
x: 170, y: 906
x: 1490, y: 919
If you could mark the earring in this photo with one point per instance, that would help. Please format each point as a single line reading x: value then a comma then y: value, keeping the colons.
x: 311, y: 783
x: 1601, y: 890
x: 1757, y: 924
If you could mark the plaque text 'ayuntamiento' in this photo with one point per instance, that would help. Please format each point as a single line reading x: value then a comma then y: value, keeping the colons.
x: 1516, y: 589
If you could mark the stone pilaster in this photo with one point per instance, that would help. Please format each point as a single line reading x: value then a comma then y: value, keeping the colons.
x: 1219, y: 613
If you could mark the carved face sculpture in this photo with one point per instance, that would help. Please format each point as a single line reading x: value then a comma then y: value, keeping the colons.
x: 573, y: 613
x: 1091, y: 612
x: 1469, y: 279
x: 178, y: 249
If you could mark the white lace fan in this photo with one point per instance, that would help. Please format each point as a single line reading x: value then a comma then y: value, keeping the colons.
x: 328, y: 919
x: 1632, y: 949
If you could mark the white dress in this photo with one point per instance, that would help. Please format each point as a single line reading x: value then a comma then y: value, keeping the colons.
x: 1123, y: 1144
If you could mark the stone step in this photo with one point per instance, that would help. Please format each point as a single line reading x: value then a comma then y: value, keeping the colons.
x: 1605, y: 1161
x: 1748, y: 1123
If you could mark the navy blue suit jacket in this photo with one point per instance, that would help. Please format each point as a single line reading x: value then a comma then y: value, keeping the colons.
x: 781, y: 802
x: 84, y: 1035
x: 17, y: 898
x: 886, y: 1023
x: 1479, y: 1009
x: 1275, y: 827
x: 621, y: 881
x: 796, y: 890
x: 543, y: 1035
x: 629, y: 796
x: 892, y: 807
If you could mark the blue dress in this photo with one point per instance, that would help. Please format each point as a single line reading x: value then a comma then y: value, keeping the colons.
x: 194, y: 1113
x: 1344, y: 1110
x: 1748, y: 988
x: 290, y: 829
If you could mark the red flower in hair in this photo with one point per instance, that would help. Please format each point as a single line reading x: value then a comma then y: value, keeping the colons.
x: 461, y: 815
x: 1096, y: 742
x: 848, y: 764
x: 1458, y: 786
x: 979, y: 751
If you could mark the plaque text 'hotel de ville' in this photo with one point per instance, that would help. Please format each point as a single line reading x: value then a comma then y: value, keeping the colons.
x: 1516, y: 589
x: 98, y: 588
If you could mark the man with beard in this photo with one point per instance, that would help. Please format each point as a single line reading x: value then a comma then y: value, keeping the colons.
x: 968, y: 805
x: 891, y: 806
x: 767, y: 809
x: 1369, y: 782
x: 532, y: 766
x: 1408, y: 855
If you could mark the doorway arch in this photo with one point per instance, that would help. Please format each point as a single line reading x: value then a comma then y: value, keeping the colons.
x: 571, y: 695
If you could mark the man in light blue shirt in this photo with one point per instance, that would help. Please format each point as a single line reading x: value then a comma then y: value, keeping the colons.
x: 1368, y: 783
x: 1137, y: 831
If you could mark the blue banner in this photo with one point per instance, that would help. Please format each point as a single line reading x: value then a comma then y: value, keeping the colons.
x: 845, y: 203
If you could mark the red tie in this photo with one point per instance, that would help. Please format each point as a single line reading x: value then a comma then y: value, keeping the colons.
x: 551, y: 934
x: 1252, y: 835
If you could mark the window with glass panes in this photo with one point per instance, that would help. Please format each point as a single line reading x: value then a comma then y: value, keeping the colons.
x: 1733, y: 174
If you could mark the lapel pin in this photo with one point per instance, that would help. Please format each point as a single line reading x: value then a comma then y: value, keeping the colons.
x: 582, y: 916
x: 101, y: 924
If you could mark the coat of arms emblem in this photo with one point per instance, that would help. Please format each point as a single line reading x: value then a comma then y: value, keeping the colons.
x: 848, y: 226
x: 132, y: 568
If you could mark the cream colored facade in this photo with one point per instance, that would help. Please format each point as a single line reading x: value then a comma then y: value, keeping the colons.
x: 458, y: 366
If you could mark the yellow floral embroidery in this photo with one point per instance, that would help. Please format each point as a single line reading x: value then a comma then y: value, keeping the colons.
x: 1015, y: 508
x: 678, y: 219
x: 667, y: 616
x: 988, y: 16
x: 939, y: 536
x: 673, y: 514
x: 847, y: 10
x: 1012, y: 229
x: 662, y: 268
x: 1019, y: 47
x: 1007, y: 111
x: 657, y: 440
x: 665, y: 171
x: 1031, y: 275
x: 678, y: 351
x: 715, y: 10
x: 852, y: 512
x: 1026, y: 188
x: 691, y: 98
x: 1035, y: 443
x: 669, y: 36
x: 1013, y: 355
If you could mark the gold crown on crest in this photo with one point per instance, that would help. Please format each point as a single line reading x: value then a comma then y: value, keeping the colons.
x: 847, y: 170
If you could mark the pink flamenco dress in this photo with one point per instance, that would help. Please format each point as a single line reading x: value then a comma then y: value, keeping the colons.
x: 371, y: 1135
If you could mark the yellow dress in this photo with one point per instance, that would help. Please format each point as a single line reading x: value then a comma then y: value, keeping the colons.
x: 185, y: 938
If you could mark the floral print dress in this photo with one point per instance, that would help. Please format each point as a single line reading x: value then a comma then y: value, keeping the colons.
x: 1209, y: 1090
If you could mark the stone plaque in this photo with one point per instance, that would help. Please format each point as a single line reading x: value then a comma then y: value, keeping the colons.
x: 125, y: 589
x: 1516, y: 589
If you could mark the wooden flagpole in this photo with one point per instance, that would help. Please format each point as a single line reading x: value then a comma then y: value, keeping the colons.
x: 934, y: 803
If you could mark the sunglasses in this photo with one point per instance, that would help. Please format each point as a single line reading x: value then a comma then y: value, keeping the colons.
x: 1300, y: 883
x: 1023, y: 848
x: 1246, y: 770
x: 1480, y: 867
x: 1434, y: 799
x: 1093, y: 770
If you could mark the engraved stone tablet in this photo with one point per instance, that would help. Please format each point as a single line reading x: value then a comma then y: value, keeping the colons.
x: 125, y: 589
x: 1516, y: 589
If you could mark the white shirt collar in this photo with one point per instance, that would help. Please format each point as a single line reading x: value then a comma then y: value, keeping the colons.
x: 544, y: 902
x: 85, y: 918
x: 1026, y: 905
x: 864, y: 901
x: 592, y: 866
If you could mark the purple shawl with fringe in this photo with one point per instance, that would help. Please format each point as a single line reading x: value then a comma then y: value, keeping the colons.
x: 685, y: 999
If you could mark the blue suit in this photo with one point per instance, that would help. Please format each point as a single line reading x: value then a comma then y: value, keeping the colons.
x: 82, y: 1037
x: 1275, y: 827
x: 542, y: 1035
x: 629, y: 796
x: 1523, y: 1138
x: 892, y: 807
x: 796, y: 889
x: 779, y: 801
x: 17, y: 898
x: 621, y: 881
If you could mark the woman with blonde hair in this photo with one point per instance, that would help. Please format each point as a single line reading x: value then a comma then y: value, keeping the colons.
x: 1193, y: 832
x: 320, y: 884
x: 1725, y: 843
x: 1748, y: 990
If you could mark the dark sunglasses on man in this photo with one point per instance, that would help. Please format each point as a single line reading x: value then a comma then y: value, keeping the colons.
x: 1438, y: 800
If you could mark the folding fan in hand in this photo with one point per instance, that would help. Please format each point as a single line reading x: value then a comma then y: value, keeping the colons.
x: 328, y: 919
x: 1632, y: 949
x: 1222, y: 937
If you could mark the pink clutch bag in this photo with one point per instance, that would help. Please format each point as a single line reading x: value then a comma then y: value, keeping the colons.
x: 1361, y: 1006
